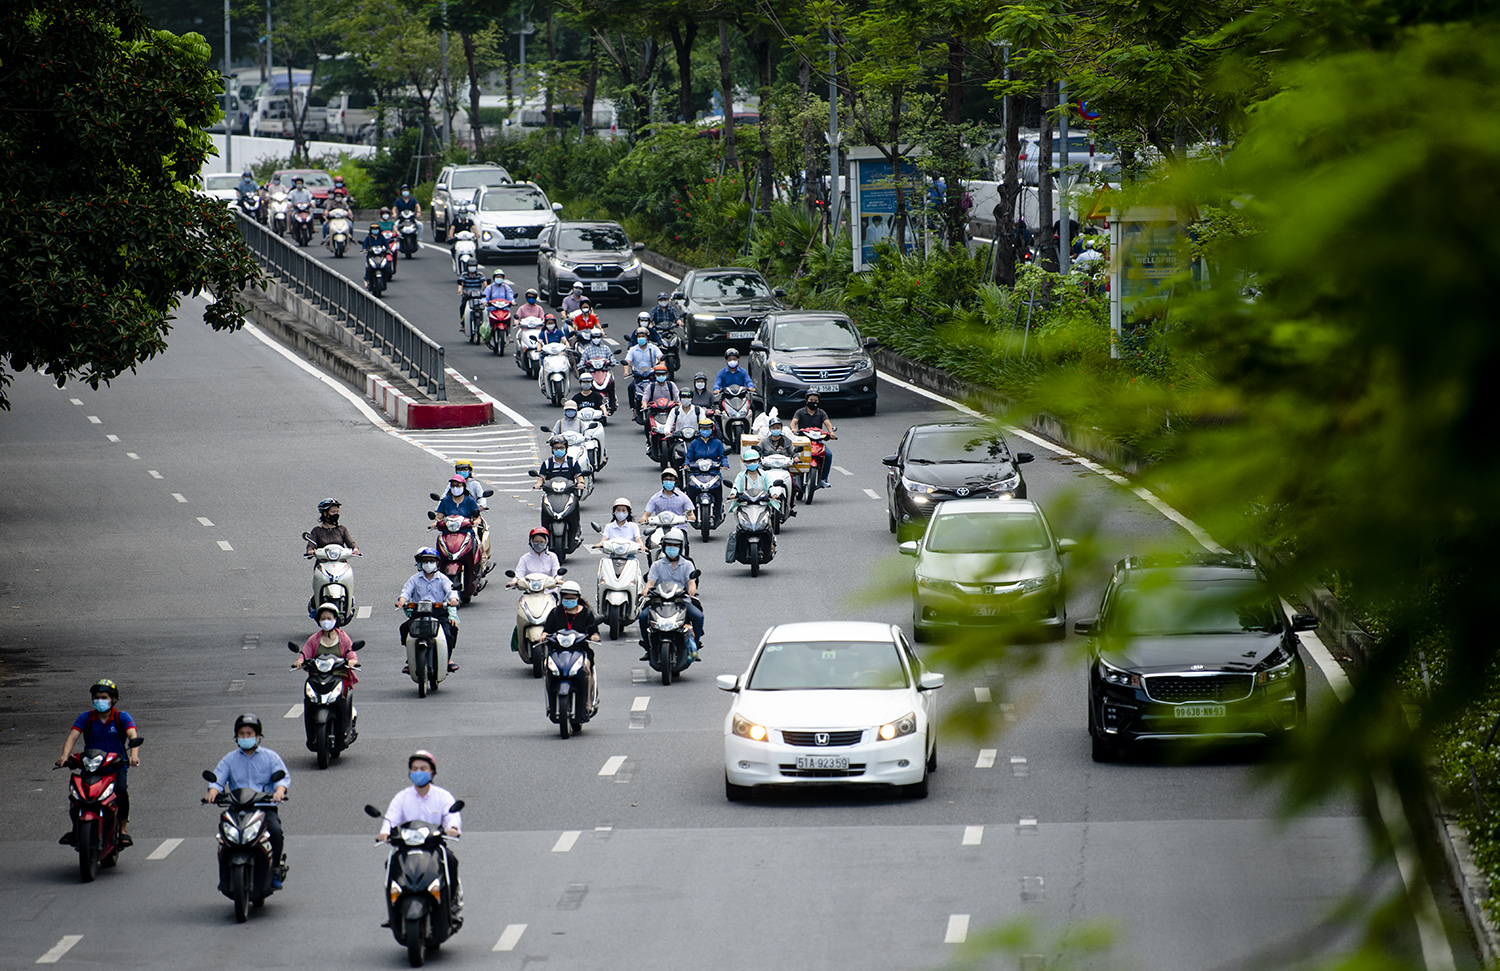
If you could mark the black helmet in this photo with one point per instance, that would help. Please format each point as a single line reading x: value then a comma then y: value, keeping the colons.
x: 405, y: 186
x: 700, y: 376
x: 732, y: 352
x: 330, y: 501
x: 248, y: 719
x: 104, y: 684
x: 662, y: 295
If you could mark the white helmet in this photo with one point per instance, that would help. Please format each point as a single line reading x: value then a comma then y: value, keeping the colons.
x: 675, y: 535
x: 622, y: 501
x: 571, y: 586
x: 643, y: 317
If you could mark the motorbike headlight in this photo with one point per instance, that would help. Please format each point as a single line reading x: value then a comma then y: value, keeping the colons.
x: 745, y: 728
x: 311, y: 694
x: 229, y: 831
x: 905, y: 725
x: 1040, y: 583
x: 552, y: 666
x: 331, y: 696
x: 252, y: 829
x: 576, y: 666
x: 918, y: 488
x: 1118, y: 676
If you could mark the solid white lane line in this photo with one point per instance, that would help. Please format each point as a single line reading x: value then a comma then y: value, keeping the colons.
x: 224, y: 545
x: 986, y: 759
x: 132, y: 456
x: 363, y: 613
x: 153, y: 473
x: 613, y: 765
x: 1337, y: 679
x: 510, y: 937
x: 1437, y: 953
x: 112, y: 438
x: 958, y: 929
x: 603, y: 829
x: 982, y: 695
x: 973, y: 835
x: 566, y: 840
x: 59, y: 949
x: 872, y: 493
x: 179, y: 497
x: 841, y: 469
x: 76, y: 401
x: 294, y: 712
x: 640, y: 703
x: 165, y: 849
x: 205, y: 521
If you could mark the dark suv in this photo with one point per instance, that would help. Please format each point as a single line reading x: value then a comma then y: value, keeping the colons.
x: 1193, y: 646
x: 724, y: 305
x: 948, y: 460
x: 596, y: 254
x: 798, y: 351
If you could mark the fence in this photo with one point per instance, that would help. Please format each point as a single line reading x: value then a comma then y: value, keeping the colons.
x: 347, y: 301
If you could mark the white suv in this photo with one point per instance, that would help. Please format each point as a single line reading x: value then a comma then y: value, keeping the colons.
x: 510, y: 220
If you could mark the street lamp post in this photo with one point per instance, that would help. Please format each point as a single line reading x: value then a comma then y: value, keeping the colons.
x: 228, y: 87
x: 1063, y: 252
x: 833, y: 139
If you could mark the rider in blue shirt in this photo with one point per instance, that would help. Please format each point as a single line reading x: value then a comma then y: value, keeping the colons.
x: 459, y: 501
x: 250, y: 766
x: 107, y: 728
x: 732, y: 375
x: 705, y: 445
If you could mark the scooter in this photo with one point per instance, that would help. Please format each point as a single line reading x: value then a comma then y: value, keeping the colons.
x: 423, y: 905
x: 705, y: 487
x: 677, y: 446
x: 474, y: 314
x: 538, y: 600
x: 778, y: 471
x: 560, y: 514
x: 658, y: 429
x: 754, y: 537
x: 555, y: 379
x: 812, y: 478
x: 595, y: 419
x: 579, y: 451
x: 245, y: 863
x: 500, y: 316
x: 464, y: 245
x: 572, y: 690
x: 668, y: 629
x: 331, y: 577
x: 278, y: 206
x: 671, y: 344
x: 250, y: 206
x: 620, y: 583
x: 427, y: 645
x: 302, y: 220
x: 662, y: 522
x: 393, y: 247
x: 528, y: 347
x: 597, y: 369
x: 328, y: 713
x: 340, y: 230
x: 734, y: 415
x: 461, y: 556
x: 91, y: 803
x: 408, y: 229
x: 376, y: 276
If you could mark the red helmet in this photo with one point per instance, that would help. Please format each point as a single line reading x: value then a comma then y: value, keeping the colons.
x: 538, y: 531
x: 457, y: 480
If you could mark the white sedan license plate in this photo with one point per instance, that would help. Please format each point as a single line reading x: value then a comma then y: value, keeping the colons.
x: 823, y: 762
x: 1198, y: 711
x: 741, y: 335
x: 824, y: 388
x: 599, y: 287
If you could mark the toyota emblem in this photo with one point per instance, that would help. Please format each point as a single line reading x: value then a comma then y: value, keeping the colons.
x: 821, y: 738
x: 961, y: 492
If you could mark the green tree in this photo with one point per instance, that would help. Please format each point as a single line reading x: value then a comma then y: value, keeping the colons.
x: 305, y: 32
x: 102, y: 133
x: 398, y: 44
x: 477, y: 24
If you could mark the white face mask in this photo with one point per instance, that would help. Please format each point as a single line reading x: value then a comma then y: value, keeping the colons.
x: 328, y: 623
x: 621, y: 515
x: 429, y: 567
x: 457, y: 490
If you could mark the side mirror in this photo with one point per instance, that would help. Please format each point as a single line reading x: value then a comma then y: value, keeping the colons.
x: 292, y: 646
x: 372, y: 812
x: 728, y: 682
x: 891, y: 460
x: 210, y: 777
x: 357, y: 645
x: 563, y: 572
x: 546, y: 249
x: 593, y: 425
x: 603, y: 325
x: 1301, y: 622
x: 557, y: 207
x: 277, y: 776
x: 595, y: 526
x: 432, y: 514
x: 511, y: 574
x: 909, y: 548
x: 1023, y: 457
x: 872, y: 342
x: 457, y: 807
x: 533, y: 471
x: 434, y: 497
x: 487, y: 493
x: 638, y: 247
x: 695, y: 574
x: 1086, y: 627
x: 758, y: 346
x: 778, y: 292
x: 929, y: 681
x: 679, y: 295
x: 1066, y: 545
x: 136, y: 742
x: 543, y: 428
x: 308, y: 537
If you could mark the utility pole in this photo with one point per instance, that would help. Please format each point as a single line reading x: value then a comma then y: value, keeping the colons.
x: 269, y: 46
x: 228, y: 88
x: 447, y: 103
x: 1064, y: 253
x: 834, y: 199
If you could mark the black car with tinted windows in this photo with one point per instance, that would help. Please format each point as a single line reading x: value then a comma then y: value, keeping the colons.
x: 943, y: 461
x: 596, y: 254
x: 723, y: 306
x: 1193, y: 646
x: 798, y: 351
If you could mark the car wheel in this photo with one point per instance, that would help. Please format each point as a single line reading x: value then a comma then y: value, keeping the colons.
x: 921, y: 634
x: 932, y: 760
x: 868, y: 409
x: 1102, y: 751
x: 917, y: 790
x: 639, y: 298
x: 735, y: 793
x: 891, y: 520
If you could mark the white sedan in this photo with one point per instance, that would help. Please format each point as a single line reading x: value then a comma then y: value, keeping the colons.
x: 223, y: 186
x: 831, y: 703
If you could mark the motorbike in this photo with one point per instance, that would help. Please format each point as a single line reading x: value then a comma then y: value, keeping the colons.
x: 671, y: 350
x: 376, y: 264
x: 813, y: 476
x: 572, y: 690
x: 583, y: 450
x: 340, y: 231
x: 755, y: 541
x: 393, y: 246
x: 705, y: 487
x: 595, y: 419
x: 464, y: 245
x: 423, y: 906
x: 251, y: 207
x: 597, y: 367
x: 658, y: 429
x: 427, y: 645
x: 277, y: 206
x: 460, y: 555
x: 555, y: 379
x: 538, y: 600
x: 302, y: 223
x: 677, y: 446
x: 528, y: 347
x: 91, y: 803
x: 734, y: 415
x: 245, y: 863
x: 328, y: 713
x: 331, y: 576
x: 619, y: 585
x: 560, y: 514
x: 409, y: 232
x: 662, y: 522
x: 778, y: 469
x: 667, y: 630
x: 500, y: 317
x: 474, y: 314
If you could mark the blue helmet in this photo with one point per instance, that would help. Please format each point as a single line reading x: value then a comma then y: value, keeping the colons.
x: 426, y: 553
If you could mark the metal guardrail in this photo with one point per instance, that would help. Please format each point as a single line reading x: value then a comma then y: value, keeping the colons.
x: 348, y: 302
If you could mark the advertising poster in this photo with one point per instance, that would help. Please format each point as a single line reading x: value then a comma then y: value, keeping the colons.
x: 1143, y: 256
x: 874, y: 200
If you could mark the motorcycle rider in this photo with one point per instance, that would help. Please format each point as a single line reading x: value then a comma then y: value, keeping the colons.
x: 537, y: 558
x: 429, y: 584
x: 470, y: 286
x: 592, y: 397
x: 687, y: 417
x: 811, y: 416
x: 643, y: 319
x: 272, y: 187
x: 331, y: 639
x: 753, y: 479
x: 663, y: 316
x: 621, y: 526
x: 585, y: 321
x: 659, y: 387
x: 424, y: 802
x: 328, y: 529
x: 553, y: 331
x: 703, y: 395
x: 475, y: 489
x: 574, y: 613
x: 530, y: 307
x: 408, y: 201
x: 674, y: 567
x: 387, y: 221
x: 640, y: 359
x: 732, y: 375
x: 108, y: 728
x: 339, y: 195
x: 459, y: 501
x: 248, y: 186
x: 706, y: 444
x: 776, y: 441
x: 250, y: 766
x: 499, y: 289
x: 574, y: 299
x: 375, y: 240
x: 299, y: 193
x: 558, y: 464
x: 570, y: 422
x: 669, y: 499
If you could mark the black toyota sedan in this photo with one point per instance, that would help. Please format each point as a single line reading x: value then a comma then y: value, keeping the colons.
x: 1194, y: 646
x: 948, y: 460
x: 796, y: 352
x: 724, y: 306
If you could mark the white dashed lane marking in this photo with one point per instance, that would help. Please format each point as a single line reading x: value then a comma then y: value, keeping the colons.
x: 872, y: 493
x: 153, y: 473
x: 986, y: 758
x: 843, y: 471
x: 204, y: 521
x: 982, y: 695
x: 363, y: 613
x: 165, y: 849
x: 224, y: 545
x: 566, y: 840
x: 294, y: 712
x: 132, y: 456
x: 958, y: 929
x: 59, y: 949
x: 179, y: 497
x: 93, y: 419
x: 613, y: 765
x: 112, y: 438
x: 510, y: 937
x: 640, y: 703
x: 973, y: 835
x: 76, y: 401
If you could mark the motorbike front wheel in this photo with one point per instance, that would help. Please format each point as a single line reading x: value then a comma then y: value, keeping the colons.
x: 88, y: 851
x: 616, y: 622
x: 324, y: 743
x: 564, y: 716
x: 421, y: 672
x: 239, y: 890
x: 416, y: 942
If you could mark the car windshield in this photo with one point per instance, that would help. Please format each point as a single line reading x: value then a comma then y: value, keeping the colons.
x: 514, y: 200
x: 730, y: 286
x: 827, y: 665
x: 606, y: 238
x: 221, y: 181
x: 473, y: 179
x: 1019, y: 531
x: 1163, y: 605
x: 957, y: 445
x: 815, y: 334
x: 313, y: 180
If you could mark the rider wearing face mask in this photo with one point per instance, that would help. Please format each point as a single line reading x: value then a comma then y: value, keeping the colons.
x: 427, y: 803
x: 686, y: 417
x: 331, y: 640
x: 659, y: 388
x: 664, y: 316
x: 407, y: 201
x: 250, y: 766
x: 752, y: 480
x: 585, y: 322
x: 104, y: 726
x: 558, y: 464
x: 574, y: 299
x: 703, y: 392
x: 553, y: 331
x: 669, y: 499
x: 537, y: 558
x: 777, y: 441
x: 430, y: 584
x: 705, y: 445
x: 569, y: 422
x: 530, y: 307
x: 640, y: 360
x: 677, y: 568
x: 460, y: 502
x: 621, y: 526
x: 328, y: 530
x: 574, y: 614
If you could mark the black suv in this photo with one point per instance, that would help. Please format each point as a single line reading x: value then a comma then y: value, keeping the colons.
x: 943, y: 461
x: 724, y: 305
x: 596, y: 254
x: 1192, y: 646
x: 798, y: 351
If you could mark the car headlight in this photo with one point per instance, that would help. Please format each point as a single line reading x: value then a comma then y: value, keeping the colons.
x: 942, y: 586
x: 1282, y: 666
x: 1040, y: 583
x: 745, y: 728
x: 634, y: 264
x: 918, y: 488
x: 704, y: 318
x: 1008, y: 484
x: 1118, y: 676
x: 782, y: 368
x: 865, y: 364
x: 904, y: 725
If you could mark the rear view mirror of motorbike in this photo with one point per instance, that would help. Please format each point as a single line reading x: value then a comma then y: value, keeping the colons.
x: 434, y: 497
x: 432, y: 514
x: 543, y: 428
x: 562, y: 572
x: 532, y: 471
x: 136, y: 742
x: 277, y: 776
x: 357, y: 645
x: 695, y: 574
x: 595, y: 526
x: 292, y: 646
x: 487, y: 493
x: 308, y: 537
x: 372, y: 812
x: 457, y: 807
x: 210, y: 777
x: 511, y: 574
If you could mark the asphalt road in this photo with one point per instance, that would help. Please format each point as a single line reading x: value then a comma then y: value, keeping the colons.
x: 111, y: 572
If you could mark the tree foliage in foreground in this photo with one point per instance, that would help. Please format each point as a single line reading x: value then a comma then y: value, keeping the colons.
x: 101, y: 124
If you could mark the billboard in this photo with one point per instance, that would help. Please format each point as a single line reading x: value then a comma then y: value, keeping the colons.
x: 1143, y: 256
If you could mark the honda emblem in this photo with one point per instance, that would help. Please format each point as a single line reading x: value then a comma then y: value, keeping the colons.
x: 989, y: 589
x: 821, y: 738
x: 822, y: 374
